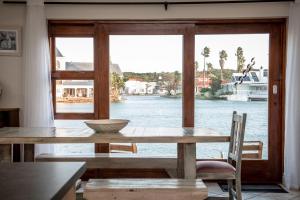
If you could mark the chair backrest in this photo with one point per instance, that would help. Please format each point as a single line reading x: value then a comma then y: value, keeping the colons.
x: 237, y: 139
x: 120, y: 148
x: 252, y: 150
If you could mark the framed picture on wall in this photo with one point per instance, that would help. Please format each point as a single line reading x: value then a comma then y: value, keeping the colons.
x: 10, y: 41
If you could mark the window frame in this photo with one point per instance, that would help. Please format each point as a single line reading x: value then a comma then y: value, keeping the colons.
x: 100, y: 31
x: 72, y: 31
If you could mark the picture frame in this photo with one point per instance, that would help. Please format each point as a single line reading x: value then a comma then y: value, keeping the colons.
x: 10, y: 41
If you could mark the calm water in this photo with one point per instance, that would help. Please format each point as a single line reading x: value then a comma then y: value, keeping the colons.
x: 149, y: 111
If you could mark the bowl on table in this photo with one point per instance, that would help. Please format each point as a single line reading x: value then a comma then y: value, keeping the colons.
x: 107, y: 125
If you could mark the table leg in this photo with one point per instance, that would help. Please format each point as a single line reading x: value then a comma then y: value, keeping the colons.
x: 17, y: 152
x: 29, y: 153
x: 186, y: 160
x: 6, y: 155
x: 71, y: 194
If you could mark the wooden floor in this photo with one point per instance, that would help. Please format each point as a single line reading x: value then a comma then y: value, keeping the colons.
x: 215, y: 193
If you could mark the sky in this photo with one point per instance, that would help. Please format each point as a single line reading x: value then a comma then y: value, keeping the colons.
x: 157, y: 53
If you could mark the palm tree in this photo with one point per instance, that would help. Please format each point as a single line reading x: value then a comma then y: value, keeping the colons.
x: 223, y: 57
x: 205, y: 53
x: 240, y: 59
x: 209, y: 68
x: 196, y: 65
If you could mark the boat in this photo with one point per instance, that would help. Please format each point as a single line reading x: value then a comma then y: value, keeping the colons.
x: 254, y: 86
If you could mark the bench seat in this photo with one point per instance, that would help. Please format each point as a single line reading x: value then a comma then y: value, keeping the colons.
x: 114, y: 160
x: 145, y: 189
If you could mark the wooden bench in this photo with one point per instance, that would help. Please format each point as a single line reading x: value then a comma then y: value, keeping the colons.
x: 145, y: 189
x: 114, y: 160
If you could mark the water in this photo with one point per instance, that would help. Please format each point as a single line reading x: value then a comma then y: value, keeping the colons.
x: 151, y: 111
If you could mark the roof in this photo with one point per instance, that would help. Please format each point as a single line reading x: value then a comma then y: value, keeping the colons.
x: 78, y: 82
x: 79, y: 66
x: 85, y: 66
x: 115, y: 68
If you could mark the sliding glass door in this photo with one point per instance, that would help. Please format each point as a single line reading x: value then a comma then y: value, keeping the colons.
x: 231, y: 74
x: 240, y: 67
x: 191, y: 73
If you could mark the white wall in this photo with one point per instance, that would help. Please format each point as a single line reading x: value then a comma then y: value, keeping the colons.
x: 14, y: 15
x: 253, y: 10
x: 11, y: 66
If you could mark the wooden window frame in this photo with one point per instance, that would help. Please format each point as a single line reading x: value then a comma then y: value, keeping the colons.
x: 73, y: 31
x: 100, y: 31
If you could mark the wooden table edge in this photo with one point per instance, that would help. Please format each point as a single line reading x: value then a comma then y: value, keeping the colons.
x: 70, y: 183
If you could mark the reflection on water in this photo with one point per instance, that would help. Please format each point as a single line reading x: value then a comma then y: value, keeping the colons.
x: 149, y: 111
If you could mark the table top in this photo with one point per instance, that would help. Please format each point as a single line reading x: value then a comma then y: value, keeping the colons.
x: 11, y: 135
x: 38, y: 181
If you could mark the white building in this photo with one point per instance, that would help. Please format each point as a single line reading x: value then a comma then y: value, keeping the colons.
x: 77, y: 88
x: 136, y: 87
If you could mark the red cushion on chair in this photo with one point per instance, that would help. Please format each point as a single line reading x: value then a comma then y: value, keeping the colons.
x: 214, y: 167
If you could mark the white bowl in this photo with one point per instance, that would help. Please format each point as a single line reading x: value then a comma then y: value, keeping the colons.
x: 107, y: 125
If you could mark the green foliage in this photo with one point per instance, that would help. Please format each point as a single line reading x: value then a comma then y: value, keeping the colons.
x: 117, y: 82
x: 240, y: 59
x: 227, y: 73
x: 223, y: 56
x: 215, y: 75
x: 204, y: 90
x: 171, y: 81
x: 215, y: 85
x: 206, y: 51
x: 148, y: 77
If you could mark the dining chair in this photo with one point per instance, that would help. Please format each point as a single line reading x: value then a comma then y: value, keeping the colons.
x: 252, y: 150
x: 230, y: 170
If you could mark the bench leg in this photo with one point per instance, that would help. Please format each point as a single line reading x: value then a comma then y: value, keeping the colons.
x: 6, y: 153
x: 186, y: 160
x: 29, y: 153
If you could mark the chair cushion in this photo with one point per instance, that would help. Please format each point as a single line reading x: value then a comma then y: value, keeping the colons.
x: 214, y: 167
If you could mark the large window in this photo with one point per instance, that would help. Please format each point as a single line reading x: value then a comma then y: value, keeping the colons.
x: 73, y: 83
x: 173, y: 74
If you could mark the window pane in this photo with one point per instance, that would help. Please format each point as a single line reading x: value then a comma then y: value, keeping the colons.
x: 146, y: 84
x: 222, y: 87
x: 74, y: 96
x: 74, y: 54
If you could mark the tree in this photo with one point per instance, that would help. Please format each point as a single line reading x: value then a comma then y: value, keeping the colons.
x: 209, y: 66
x: 177, y: 78
x: 215, y: 85
x: 223, y: 56
x: 205, y: 53
x: 196, y: 65
x: 209, y: 69
x: 240, y: 59
x: 117, y: 83
x: 171, y: 81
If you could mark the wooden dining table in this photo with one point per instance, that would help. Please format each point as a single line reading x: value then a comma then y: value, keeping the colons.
x: 185, y: 138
